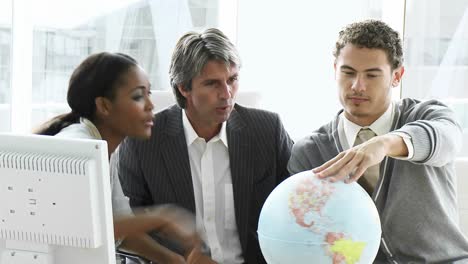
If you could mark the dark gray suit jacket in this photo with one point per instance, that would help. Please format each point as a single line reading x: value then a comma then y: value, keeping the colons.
x: 157, y: 171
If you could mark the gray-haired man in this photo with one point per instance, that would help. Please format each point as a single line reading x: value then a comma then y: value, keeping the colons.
x: 208, y: 154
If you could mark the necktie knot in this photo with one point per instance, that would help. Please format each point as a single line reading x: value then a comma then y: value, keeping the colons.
x: 364, y: 135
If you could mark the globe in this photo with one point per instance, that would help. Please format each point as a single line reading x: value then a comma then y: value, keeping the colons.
x: 311, y: 220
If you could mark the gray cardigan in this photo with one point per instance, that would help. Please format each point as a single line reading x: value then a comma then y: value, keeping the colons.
x: 416, y: 198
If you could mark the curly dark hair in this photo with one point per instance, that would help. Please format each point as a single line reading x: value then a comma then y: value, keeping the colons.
x: 372, y: 34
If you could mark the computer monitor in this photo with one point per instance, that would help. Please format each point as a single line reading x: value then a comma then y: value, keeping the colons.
x: 55, y: 201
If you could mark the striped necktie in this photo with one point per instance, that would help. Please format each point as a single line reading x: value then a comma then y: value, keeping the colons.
x: 370, y: 177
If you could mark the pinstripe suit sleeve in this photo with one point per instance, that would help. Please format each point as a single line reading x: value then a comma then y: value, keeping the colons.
x: 131, y: 176
x: 283, y: 152
x: 259, y: 156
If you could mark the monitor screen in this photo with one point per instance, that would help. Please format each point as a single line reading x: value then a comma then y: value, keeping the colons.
x: 55, y: 201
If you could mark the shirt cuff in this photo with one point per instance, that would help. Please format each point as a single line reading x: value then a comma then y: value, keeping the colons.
x: 409, y: 144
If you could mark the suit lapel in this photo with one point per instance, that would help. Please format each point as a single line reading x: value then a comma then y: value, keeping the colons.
x: 242, y: 172
x: 176, y: 159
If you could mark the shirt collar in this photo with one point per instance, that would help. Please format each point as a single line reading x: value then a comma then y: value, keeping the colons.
x: 91, y: 128
x: 191, y: 135
x: 380, y: 126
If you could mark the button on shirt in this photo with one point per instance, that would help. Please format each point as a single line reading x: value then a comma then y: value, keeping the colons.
x: 348, y: 131
x: 214, y: 198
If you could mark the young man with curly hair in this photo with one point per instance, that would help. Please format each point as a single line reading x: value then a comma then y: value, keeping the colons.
x: 401, y: 153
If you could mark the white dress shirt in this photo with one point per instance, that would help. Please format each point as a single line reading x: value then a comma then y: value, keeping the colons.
x: 214, y: 198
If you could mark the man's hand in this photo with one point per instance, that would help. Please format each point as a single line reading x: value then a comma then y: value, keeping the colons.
x: 354, y: 162
x: 170, y: 221
x: 179, y: 225
x: 167, y: 219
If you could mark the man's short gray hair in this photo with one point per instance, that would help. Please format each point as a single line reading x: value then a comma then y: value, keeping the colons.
x: 192, y: 53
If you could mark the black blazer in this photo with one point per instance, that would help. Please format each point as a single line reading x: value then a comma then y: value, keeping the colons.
x: 157, y: 171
